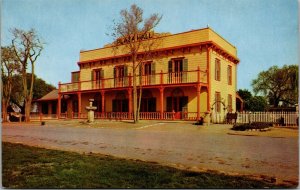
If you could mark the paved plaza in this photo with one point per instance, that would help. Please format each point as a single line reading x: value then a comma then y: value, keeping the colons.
x: 177, y: 144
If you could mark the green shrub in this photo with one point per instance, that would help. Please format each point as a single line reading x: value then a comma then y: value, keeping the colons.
x: 254, y: 125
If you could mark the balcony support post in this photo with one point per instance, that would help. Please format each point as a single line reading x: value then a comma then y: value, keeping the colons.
x: 198, y: 101
x: 102, y: 103
x: 161, y: 90
x: 58, y: 105
x: 79, y: 104
x: 58, y: 102
x: 208, y: 79
x: 129, y: 90
x: 198, y: 74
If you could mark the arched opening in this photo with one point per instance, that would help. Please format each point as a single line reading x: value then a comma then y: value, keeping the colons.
x: 98, y: 102
x: 148, y: 102
x: 177, y: 102
x: 120, y: 103
x: 74, y: 103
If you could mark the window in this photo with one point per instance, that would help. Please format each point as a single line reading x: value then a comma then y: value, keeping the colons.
x: 147, y: 68
x: 148, y: 104
x: 229, y: 74
x: 229, y: 103
x: 177, y: 70
x: 218, y: 102
x: 75, y: 76
x: 120, y: 103
x: 98, y: 102
x: 75, y: 106
x: 120, y: 76
x: 97, y: 75
x: 217, y: 69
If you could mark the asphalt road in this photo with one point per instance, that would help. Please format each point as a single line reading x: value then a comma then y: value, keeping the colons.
x: 180, y: 145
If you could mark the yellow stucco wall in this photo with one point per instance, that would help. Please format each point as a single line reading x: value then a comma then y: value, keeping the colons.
x: 196, y: 58
x: 185, y: 38
x: 222, y: 85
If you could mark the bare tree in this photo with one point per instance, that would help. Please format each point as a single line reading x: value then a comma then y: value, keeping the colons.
x: 9, y: 66
x: 132, y: 34
x: 27, y: 47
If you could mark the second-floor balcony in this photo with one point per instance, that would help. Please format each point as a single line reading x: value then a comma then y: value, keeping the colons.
x: 169, y: 78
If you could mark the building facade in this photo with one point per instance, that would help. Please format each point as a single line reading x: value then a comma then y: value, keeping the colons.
x: 191, y: 75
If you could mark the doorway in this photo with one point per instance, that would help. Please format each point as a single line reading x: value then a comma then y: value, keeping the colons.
x: 177, y: 102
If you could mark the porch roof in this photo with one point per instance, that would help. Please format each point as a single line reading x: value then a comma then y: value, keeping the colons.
x: 53, y: 95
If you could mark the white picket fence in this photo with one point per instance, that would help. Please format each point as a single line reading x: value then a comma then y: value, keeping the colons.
x: 289, y: 118
x: 218, y: 118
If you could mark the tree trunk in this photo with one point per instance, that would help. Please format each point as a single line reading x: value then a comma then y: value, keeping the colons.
x: 140, y: 99
x: 4, y: 110
x: 134, y: 91
x: 27, y: 110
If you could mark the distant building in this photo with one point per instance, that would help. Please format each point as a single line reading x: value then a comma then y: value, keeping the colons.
x: 192, y: 74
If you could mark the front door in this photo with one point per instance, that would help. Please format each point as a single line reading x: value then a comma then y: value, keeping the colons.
x: 177, y: 104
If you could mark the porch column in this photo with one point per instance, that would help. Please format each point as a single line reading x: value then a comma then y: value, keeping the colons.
x: 208, y: 79
x: 198, y: 102
x: 79, y: 104
x: 58, y: 102
x: 130, y: 102
x: 58, y: 106
x: 161, y: 90
x: 103, y: 102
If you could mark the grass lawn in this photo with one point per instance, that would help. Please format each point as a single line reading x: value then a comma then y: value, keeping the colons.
x: 31, y: 167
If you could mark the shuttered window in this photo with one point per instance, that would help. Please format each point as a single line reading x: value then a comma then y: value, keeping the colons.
x: 217, y: 69
x: 177, y: 69
x: 229, y: 75
x: 120, y: 76
x: 75, y: 76
x: 218, y: 102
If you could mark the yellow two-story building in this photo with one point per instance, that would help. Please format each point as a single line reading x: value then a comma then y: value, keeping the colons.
x: 192, y: 75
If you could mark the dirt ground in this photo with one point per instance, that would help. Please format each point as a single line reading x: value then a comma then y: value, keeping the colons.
x: 182, y: 145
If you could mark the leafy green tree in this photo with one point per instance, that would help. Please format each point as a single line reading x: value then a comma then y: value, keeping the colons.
x: 40, y: 89
x: 129, y: 34
x: 9, y: 67
x: 244, y: 94
x: 252, y: 103
x: 278, y: 84
x: 257, y: 103
x: 27, y: 47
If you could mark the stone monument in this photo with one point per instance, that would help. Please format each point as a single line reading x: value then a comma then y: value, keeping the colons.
x: 91, y: 109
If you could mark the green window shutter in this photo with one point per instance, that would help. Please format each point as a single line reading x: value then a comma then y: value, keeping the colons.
x: 92, y: 78
x: 125, y: 70
x: 185, y: 69
x: 115, y: 76
x: 170, y: 71
x: 153, y: 72
x: 101, y: 77
x: 170, y: 66
x: 125, y: 75
x: 102, y: 74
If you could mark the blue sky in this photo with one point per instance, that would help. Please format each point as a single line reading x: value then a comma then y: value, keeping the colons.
x: 265, y: 32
